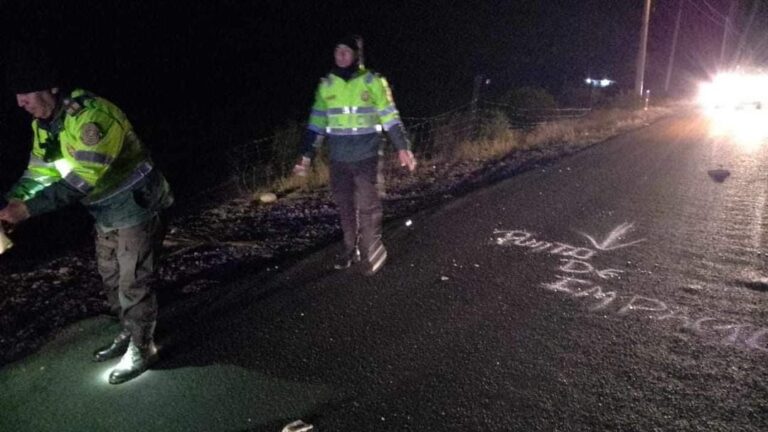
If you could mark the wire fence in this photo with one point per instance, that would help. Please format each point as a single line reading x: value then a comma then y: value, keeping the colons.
x: 440, y: 134
x: 260, y: 162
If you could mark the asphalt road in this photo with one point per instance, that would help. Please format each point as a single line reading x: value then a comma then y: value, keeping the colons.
x: 623, y: 288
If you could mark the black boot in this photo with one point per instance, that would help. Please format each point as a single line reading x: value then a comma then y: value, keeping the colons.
x: 135, y: 361
x: 115, y: 349
x: 347, y: 260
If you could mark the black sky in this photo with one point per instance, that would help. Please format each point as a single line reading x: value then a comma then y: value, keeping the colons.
x: 191, y: 72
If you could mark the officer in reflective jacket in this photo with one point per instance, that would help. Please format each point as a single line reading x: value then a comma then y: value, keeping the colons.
x: 352, y: 107
x: 85, y: 150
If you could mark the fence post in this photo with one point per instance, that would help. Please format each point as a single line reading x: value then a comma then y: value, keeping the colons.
x: 474, y: 117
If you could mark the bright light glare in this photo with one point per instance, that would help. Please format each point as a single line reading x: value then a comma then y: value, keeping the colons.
x: 737, y: 106
x: 734, y: 90
x: 747, y: 129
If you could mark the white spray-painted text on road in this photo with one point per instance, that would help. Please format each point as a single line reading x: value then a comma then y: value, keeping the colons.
x: 575, y: 274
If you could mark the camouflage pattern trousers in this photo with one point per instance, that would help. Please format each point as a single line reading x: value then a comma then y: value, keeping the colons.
x: 127, y: 261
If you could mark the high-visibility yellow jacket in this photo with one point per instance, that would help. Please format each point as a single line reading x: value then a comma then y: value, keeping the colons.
x: 352, y: 114
x: 90, y: 153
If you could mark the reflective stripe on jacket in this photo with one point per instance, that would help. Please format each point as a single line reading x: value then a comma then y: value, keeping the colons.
x: 352, y: 113
x: 90, y: 144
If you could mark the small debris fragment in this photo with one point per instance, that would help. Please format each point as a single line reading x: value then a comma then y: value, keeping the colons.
x: 298, y: 426
x: 719, y: 175
x: 759, y: 284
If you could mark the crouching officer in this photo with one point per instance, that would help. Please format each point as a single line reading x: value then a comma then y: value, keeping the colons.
x: 352, y: 107
x: 85, y: 150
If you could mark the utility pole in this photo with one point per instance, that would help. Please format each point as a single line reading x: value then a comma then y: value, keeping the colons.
x: 739, y: 55
x: 640, y: 75
x: 674, y: 47
x: 475, y: 118
x: 726, y: 28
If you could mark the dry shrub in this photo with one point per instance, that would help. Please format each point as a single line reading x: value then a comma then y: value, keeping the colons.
x: 551, y: 133
x: 449, y: 133
x: 494, y: 138
x: 318, y: 177
x: 447, y: 138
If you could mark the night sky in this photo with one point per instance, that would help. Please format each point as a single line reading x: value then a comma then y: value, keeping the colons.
x: 201, y: 75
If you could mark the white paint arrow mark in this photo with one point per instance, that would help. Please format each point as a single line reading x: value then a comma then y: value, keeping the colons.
x: 611, y: 242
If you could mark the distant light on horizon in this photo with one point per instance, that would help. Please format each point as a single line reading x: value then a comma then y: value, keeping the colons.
x: 734, y: 90
x: 605, y: 82
x: 735, y: 105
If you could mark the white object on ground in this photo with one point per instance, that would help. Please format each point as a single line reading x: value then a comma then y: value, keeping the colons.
x: 267, y: 197
x: 298, y: 426
x: 5, y: 242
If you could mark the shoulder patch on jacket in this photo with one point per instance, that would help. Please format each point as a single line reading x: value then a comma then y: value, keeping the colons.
x: 73, y: 106
x: 90, y: 134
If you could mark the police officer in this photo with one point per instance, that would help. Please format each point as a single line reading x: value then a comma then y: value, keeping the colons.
x: 352, y: 107
x: 85, y: 150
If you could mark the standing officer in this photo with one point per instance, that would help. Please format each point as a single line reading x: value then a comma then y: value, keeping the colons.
x: 85, y: 150
x: 352, y: 107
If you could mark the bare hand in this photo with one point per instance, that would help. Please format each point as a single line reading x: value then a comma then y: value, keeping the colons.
x: 406, y: 159
x: 15, y: 212
x: 302, y: 167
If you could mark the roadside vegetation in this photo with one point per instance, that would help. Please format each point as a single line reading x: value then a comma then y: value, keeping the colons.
x: 526, y: 119
x: 44, y: 287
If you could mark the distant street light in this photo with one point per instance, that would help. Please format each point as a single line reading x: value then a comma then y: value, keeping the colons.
x: 594, y: 85
x: 605, y: 82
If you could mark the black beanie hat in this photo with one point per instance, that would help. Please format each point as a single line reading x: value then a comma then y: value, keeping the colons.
x: 352, y: 41
x: 28, y: 69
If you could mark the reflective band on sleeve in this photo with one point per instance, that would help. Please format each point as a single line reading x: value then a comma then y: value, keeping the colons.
x: 389, y: 110
x: 318, y: 113
x: 353, y: 131
x: 390, y: 124
x: 77, y: 182
x: 37, y: 162
x: 139, y: 173
x: 94, y: 157
x: 44, y: 180
x: 316, y: 129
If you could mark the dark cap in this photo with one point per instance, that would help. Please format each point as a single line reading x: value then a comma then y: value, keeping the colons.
x: 353, y: 41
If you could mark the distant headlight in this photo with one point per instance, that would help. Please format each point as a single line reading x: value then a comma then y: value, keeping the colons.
x: 734, y: 90
x: 736, y: 104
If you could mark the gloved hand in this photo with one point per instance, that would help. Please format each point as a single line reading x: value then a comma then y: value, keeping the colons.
x: 406, y: 159
x: 302, y: 166
x: 15, y: 212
